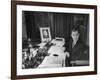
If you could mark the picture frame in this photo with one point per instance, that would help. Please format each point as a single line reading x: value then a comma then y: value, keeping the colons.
x: 16, y: 39
x: 45, y: 34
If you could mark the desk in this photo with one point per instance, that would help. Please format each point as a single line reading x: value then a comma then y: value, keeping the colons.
x: 55, y: 59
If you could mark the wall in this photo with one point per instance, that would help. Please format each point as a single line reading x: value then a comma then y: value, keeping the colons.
x: 5, y: 40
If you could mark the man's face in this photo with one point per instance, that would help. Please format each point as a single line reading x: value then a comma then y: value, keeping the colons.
x: 75, y: 35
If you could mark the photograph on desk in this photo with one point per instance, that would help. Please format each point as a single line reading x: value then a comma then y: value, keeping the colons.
x: 53, y: 40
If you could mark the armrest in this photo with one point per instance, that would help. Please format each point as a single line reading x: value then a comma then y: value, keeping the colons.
x: 80, y: 62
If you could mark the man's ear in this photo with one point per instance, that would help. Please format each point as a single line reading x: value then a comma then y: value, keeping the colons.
x: 71, y: 34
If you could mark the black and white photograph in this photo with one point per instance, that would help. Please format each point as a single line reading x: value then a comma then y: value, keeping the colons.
x: 52, y: 40
x: 69, y: 43
x: 45, y: 34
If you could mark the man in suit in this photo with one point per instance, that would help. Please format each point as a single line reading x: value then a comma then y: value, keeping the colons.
x: 77, y: 50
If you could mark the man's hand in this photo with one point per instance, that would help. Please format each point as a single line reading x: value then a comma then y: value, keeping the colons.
x: 67, y: 53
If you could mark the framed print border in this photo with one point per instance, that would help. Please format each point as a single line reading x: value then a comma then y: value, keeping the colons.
x: 14, y: 39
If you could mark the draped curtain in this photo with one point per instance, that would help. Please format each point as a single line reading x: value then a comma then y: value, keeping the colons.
x: 63, y: 24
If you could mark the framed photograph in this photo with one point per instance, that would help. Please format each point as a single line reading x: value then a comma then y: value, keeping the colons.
x: 66, y: 32
x: 45, y: 34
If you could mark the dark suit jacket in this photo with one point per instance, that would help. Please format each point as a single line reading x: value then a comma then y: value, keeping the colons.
x: 79, y: 52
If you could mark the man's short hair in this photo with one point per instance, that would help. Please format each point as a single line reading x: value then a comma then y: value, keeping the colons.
x: 75, y: 29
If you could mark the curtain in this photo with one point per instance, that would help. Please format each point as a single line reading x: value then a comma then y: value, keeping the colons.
x: 63, y: 24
